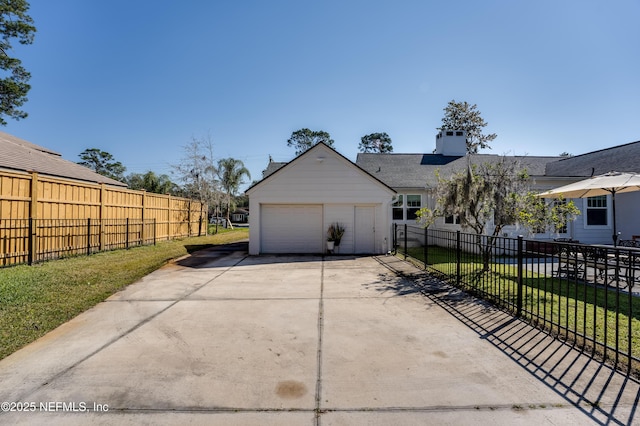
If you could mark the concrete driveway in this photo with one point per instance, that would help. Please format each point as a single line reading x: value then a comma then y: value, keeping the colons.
x: 223, y: 338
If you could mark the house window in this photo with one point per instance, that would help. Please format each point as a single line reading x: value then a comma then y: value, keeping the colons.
x: 406, y: 206
x: 398, y: 208
x: 597, y: 210
x: 414, y: 203
x: 452, y: 220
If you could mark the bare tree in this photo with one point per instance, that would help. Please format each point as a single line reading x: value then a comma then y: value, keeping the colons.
x: 197, y: 172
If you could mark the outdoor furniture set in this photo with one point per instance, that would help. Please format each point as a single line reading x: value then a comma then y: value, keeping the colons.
x: 617, y: 268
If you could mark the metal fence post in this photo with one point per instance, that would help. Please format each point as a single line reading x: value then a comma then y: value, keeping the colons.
x: 395, y: 238
x: 31, y: 256
x: 405, y: 241
x: 426, y: 238
x: 458, y: 258
x: 519, y: 295
x: 88, y: 236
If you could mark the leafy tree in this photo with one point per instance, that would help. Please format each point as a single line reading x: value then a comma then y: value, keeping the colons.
x: 151, y: 182
x: 462, y: 116
x: 542, y: 215
x: 102, y: 163
x: 427, y: 217
x: 304, y: 139
x: 375, y: 142
x: 231, y: 173
x: 15, y: 23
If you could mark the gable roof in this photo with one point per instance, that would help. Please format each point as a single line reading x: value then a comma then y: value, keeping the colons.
x: 20, y: 155
x: 283, y: 166
x: 418, y: 170
x: 621, y: 158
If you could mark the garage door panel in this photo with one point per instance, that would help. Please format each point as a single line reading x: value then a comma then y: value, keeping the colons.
x: 291, y: 229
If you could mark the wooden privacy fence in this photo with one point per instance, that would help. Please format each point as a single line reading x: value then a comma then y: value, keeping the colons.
x: 43, y: 218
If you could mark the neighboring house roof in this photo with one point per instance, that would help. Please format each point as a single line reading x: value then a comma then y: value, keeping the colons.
x: 20, y: 155
x: 307, y: 152
x: 621, y: 158
x: 418, y: 170
x: 272, y: 167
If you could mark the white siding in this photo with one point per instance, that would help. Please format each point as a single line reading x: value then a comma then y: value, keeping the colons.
x: 342, y: 213
x: 628, y: 212
x: 321, y: 176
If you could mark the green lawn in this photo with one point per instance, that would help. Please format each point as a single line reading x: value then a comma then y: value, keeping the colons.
x: 36, y: 299
x: 577, y: 310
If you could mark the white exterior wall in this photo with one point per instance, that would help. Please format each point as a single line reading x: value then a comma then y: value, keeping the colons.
x: 322, y: 176
x: 426, y: 197
x: 628, y: 224
x: 454, y: 144
x: 628, y: 213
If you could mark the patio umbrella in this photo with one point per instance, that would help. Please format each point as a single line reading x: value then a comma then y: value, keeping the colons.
x: 609, y: 183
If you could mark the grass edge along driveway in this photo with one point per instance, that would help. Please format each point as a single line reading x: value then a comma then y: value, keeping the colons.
x: 36, y: 299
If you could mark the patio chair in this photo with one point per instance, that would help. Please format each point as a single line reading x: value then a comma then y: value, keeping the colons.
x: 571, y: 263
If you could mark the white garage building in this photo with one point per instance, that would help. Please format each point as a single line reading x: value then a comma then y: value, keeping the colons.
x: 292, y: 208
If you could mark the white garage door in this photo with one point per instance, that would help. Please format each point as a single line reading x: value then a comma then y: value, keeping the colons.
x: 293, y: 228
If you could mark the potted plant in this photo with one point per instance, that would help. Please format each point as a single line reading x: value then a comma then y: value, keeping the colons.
x: 335, y: 233
x: 330, y: 244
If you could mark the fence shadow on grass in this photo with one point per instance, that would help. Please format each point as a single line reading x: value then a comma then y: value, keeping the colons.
x: 595, y: 388
x: 580, y: 291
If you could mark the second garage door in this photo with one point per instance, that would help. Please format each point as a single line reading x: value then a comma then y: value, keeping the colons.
x: 295, y: 228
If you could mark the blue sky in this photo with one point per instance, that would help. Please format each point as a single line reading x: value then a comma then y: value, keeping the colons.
x: 140, y: 79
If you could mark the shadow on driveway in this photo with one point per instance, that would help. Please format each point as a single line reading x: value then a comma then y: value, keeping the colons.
x: 598, y: 390
x: 202, y: 254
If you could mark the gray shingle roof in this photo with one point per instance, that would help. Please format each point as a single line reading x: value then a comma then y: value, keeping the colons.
x: 418, y: 170
x: 621, y: 158
x: 272, y: 167
x: 20, y: 155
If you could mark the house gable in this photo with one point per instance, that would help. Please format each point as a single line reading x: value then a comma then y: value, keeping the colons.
x: 292, y: 208
x: 319, y: 175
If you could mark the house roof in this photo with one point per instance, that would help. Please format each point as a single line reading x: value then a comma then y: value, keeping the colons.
x: 418, y: 170
x: 402, y: 170
x: 272, y: 167
x: 280, y: 166
x: 20, y: 155
x: 621, y: 158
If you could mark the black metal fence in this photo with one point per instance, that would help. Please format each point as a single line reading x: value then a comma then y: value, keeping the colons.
x: 580, y: 293
x: 36, y: 240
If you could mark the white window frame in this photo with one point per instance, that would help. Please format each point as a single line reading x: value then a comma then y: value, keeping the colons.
x: 586, y: 208
x: 402, y: 203
x: 455, y: 219
x: 408, y: 207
